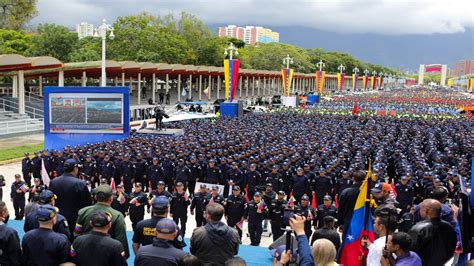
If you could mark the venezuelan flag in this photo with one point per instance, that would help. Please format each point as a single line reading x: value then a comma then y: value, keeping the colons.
x: 352, y: 253
x: 121, y: 198
x: 24, y: 188
x: 135, y: 202
x: 78, y: 229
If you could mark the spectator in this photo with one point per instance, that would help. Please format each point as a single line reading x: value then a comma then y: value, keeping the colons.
x: 327, y: 232
x: 434, y: 240
x: 304, y: 253
x: 324, y: 253
x: 382, y: 224
x: 9, y: 240
x: 399, y: 245
x: 215, y: 242
x: 97, y: 248
x: 162, y: 251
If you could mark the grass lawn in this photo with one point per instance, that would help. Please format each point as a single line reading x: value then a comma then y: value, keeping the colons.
x: 17, y: 152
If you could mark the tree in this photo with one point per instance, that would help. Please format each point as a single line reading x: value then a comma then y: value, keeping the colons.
x: 14, y: 42
x: 54, y: 40
x: 14, y: 14
x: 88, y: 49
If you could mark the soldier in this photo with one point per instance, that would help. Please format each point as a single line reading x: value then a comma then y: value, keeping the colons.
x: 58, y: 163
x: 195, y: 176
x: 104, y: 197
x: 305, y: 210
x: 127, y: 172
x: 48, y: 163
x: 300, y: 184
x: 322, y: 185
x: 274, y: 177
x: 199, y: 202
x: 215, y: 196
x: 179, y: 207
x: 168, y: 171
x: 234, y: 177
x: 89, y: 169
x: 36, y: 189
x: 140, y: 167
x: 286, y: 174
x: 325, y: 209
x: 137, y: 204
x: 36, y: 161
x: 121, y: 200
x: 154, y: 174
x: 254, y: 179
x: 255, y: 212
x: 235, y: 209
x: 343, y: 183
x: 27, y: 168
x: 106, y: 169
x: 213, y: 174
x: 159, y: 191
x: 182, y: 174
x: 276, y: 210
x: 17, y: 195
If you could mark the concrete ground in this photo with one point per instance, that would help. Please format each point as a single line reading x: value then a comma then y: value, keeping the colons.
x: 9, y: 170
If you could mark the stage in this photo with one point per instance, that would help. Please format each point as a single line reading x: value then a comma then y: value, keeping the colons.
x: 252, y: 255
x: 164, y: 131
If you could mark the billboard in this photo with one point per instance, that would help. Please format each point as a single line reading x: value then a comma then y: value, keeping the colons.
x: 81, y: 115
x: 86, y: 113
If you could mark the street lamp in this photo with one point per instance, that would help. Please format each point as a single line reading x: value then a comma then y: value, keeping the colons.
x: 321, y: 64
x: 101, y: 32
x: 341, y: 68
x: 287, y: 61
x: 231, y: 51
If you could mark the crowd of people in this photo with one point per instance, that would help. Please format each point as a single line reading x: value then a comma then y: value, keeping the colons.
x: 258, y: 167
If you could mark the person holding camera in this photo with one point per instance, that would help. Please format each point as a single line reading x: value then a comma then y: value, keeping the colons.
x: 297, y: 223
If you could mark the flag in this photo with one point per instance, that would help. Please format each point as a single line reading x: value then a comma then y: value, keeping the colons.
x: 135, y: 202
x: 343, y: 77
x: 361, y: 226
x: 339, y: 81
x: 231, y: 76
x: 393, y: 193
x: 206, y: 92
x: 366, y: 81
x: 287, y: 78
x: 261, y: 206
x: 121, y: 198
x: 183, y: 92
x: 291, y: 201
x: 112, y: 184
x: 24, y: 188
x: 186, y: 196
x: 246, y: 189
x: 44, y: 174
x: 336, y: 202
x: 355, y: 108
x: 314, y: 204
x: 310, y: 214
x: 240, y: 224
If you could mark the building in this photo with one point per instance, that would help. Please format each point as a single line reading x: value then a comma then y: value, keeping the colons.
x: 250, y: 34
x: 84, y: 29
x: 463, y: 67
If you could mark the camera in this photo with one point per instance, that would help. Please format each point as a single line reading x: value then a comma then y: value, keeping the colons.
x: 288, y: 212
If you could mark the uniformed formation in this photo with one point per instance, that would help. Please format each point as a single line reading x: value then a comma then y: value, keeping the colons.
x: 270, y: 166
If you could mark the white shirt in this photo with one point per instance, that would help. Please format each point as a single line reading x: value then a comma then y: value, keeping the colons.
x: 375, y: 252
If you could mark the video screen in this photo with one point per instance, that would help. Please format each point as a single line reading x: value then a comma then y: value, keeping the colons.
x: 86, y: 113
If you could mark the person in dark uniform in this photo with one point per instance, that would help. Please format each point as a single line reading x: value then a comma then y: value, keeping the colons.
x: 17, y: 195
x: 47, y: 198
x: 97, y: 248
x: 168, y: 171
x: 140, y: 166
x: 235, y: 210
x: 327, y: 232
x: 343, y: 183
x: 347, y: 202
x: 159, y: 191
x: 2, y: 184
x: 137, y: 205
x: 89, y: 169
x: 215, y: 196
x: 58, y: 162
x: 36, y: 189
x: 159, y: 114
x: 322, y: 185
x: 254, y: 179
x: 213, y: 173
x: 168, y: 96
x: 154, y: 174
x: 48, y: 163
x: 9, y: 240
x: 234, y: 177
x: 199, y: 202
x: 405, y: 194
x: 275, y: 211
x: 72, y: 193
x: 43, y: 246
x: 179, y: 207
x: 255, y: 212
x: 144, y: 231
x: 304, y: 209
x: 121, y: 200
x: 300, y: 184
x: 36, y: 165
x: 195, y: 176
x: 127, y: 172
x: 182, y: 174
x: 161, y: 251
x: 325, y: 209
x: 106, y: 169
x: 162, y: 96
x: 286, y: 175
x: 27, y: 168
x: 274, y: 177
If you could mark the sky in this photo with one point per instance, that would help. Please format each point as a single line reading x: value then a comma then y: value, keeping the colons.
x: 385, y: 17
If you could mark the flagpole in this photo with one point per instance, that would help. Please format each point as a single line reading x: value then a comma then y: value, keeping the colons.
x: 367, y: 210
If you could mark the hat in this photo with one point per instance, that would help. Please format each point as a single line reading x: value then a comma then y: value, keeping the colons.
x: 381, y: 186
x: 202, y: 186
x: 103, y: 192
x: 162, y: 183
x: 281, y: 192
x: 269, y: 185
x: 166, y: 226
x: 100, y: 219
x: 305, y: 197
x: 160, y: 203
x: 215, y: 188
x: 276, y: 253
x: 257, y: 194
x: 235, y: 188
x: 69, y: 165
x: 46, y: 196
x: 46, y: 213
x: 327, y: 197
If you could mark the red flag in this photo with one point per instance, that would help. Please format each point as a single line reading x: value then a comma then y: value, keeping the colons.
x: 112, y: 184
x: 336, y: 201
x: 393, y: 193
x: 355, y: 109
x: 314, y: 204
x: 246, y: 189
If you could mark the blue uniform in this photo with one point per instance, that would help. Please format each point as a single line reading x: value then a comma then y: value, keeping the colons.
x: 44, y: 247
x: 9, y: 245
x: 61, y: 225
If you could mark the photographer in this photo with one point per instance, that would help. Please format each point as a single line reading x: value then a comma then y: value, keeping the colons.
x: 304, y: 252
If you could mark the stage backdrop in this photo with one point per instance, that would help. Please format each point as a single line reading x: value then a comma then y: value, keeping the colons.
x: 81, y: 115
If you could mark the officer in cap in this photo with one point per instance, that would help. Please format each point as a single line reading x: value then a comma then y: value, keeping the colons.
x: 405, y: 194
x: 72, y: 193
x: 213, y: 173
x: 325, y: 209
x: 17, y: 195
x: 216, y: 197
x: 254, y: 179
x: 106, y: 168
x: 255, y: 212
x: 137, y: 204
x: 27, y: 168
x: 304, y: 209
x: 154, y: 173
x: 161, y: 251
x: 199, y: 202
x: 144, y: 231
x: 159, y: 191
x: 104, y: 198
x: 97, y: 247
x: 179, y: 206
x: 275, y: 211
x: 61, y: 226
x: 121, y: 200
x: 43, y: 246
x: 235, y: 210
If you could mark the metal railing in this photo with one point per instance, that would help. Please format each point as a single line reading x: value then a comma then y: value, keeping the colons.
x: 9, y: 105
x: 10, y: 127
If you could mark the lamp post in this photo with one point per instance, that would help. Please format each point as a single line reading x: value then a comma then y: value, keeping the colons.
x: 355, y: 70
x: 287, y: 61
x: 101, y: 32
x: 320, y: 65
x: 341, y: 68
x: 231, y: 51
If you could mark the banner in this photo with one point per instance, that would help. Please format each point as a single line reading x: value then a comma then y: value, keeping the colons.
x: 355, y: 78
x: 365, y: 80
x: 231, y: 74
x: 287, y: 79
x: 374, y: 81
x: 380, y: 80
x: 320, y: 78
x: 209, y: 187
x: 432, y: 68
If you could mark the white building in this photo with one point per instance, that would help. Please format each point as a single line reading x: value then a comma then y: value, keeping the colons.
x: 84, y: 29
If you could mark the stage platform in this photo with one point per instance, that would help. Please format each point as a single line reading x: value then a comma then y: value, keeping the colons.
x: 164, y: 131
x: 257, y: 256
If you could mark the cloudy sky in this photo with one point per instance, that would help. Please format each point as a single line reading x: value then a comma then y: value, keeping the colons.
x: 389, y: 17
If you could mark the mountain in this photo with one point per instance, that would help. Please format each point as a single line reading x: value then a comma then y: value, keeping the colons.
x: 399, y: 51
